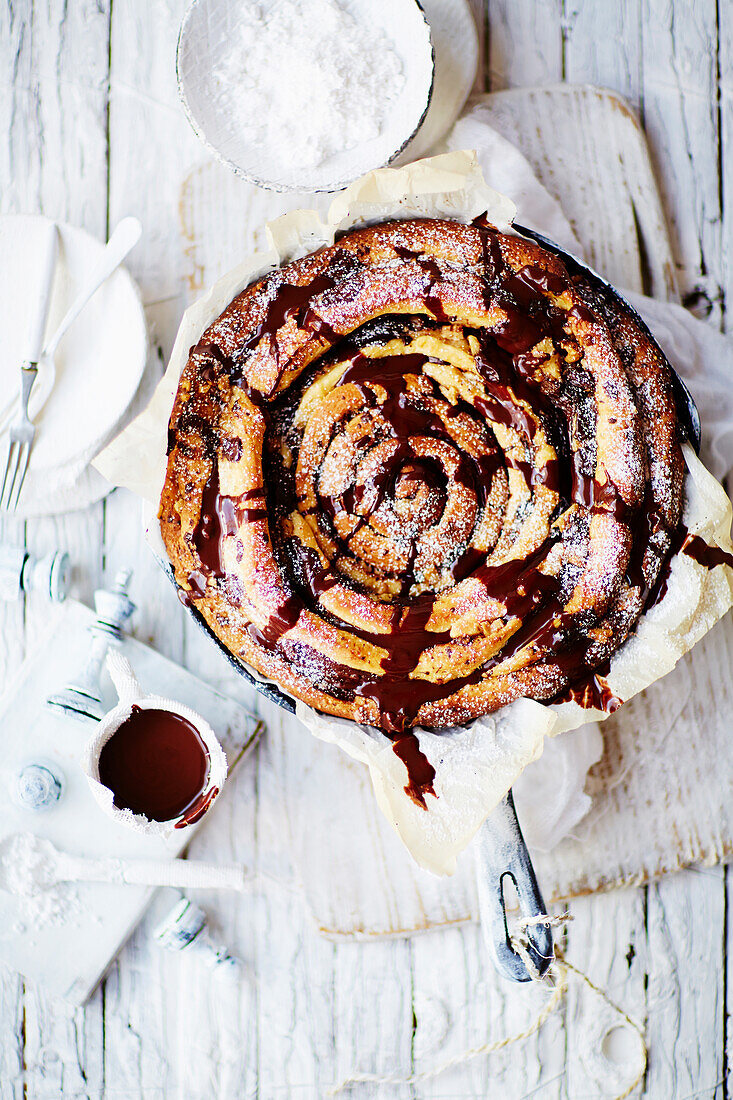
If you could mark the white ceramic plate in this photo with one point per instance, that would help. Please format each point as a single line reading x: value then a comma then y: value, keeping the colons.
x: 204, y: 38
x: 99, y: 362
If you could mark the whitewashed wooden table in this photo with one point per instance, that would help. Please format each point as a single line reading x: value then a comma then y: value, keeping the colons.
x: 92, y: 130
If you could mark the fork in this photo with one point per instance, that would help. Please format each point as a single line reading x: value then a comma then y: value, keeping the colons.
x: 22, y: 430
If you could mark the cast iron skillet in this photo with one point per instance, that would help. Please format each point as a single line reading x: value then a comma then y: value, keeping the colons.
x: 500, y: 851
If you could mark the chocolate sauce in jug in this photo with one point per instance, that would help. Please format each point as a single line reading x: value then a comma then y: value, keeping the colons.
x: 155, y: 764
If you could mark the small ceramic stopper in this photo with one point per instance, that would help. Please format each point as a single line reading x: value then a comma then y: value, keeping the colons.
x: 37, y: 786
x: 184, y: 929
x: 21, y: 572
x: 82, y: 698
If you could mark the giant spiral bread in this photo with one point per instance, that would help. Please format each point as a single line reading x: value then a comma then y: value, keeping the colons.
x: 424, y: 472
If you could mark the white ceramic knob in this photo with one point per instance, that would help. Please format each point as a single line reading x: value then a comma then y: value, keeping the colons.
x: 37, y: 786
x: 21, y: 572
x: 185, y: 929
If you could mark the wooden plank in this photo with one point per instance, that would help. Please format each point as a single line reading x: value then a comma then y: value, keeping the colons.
x: 679, y: 110
x: 373, y: 1015
x: 680, y: 65
x: 460, y: 1003
x: 53, y: 110
x: 54, y: 161
x: 607, y: 941
x: 143, y: 1031
x: 525, y: 43
x: 295, y: 969
x: 686, y: 985
x: 602, y: 45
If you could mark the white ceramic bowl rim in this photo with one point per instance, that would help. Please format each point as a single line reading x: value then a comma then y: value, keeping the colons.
x: 279, y: 185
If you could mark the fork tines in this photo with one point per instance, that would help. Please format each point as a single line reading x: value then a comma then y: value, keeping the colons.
x: 15, y: 470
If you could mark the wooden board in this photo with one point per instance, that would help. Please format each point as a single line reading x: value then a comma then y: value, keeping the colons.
x: 67, y: 956
x: 648, y: 817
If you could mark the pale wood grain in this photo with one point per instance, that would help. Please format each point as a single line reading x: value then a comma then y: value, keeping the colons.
x: 525, y: 43
x: 54, y: 111
x: 460, y: 1004
x: 679, y: 100
x: 603, y: 46
x: 373, y: 1021
x: 686, y: 984
x: 344, y: 1006
x: 607, y: 941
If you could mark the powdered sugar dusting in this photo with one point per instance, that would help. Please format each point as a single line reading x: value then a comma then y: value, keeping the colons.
x: 28, y: 870
x: 308, y: 79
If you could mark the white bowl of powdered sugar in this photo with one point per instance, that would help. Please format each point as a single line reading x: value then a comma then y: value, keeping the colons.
x: 305, y: 95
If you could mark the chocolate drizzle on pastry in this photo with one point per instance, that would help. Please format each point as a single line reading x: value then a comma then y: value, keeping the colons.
x: 422, y: 473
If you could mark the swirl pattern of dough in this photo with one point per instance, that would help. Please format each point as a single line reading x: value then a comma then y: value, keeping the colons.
x: 421, y: 473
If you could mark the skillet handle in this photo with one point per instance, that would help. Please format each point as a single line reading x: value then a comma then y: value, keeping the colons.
x: 502, y: 855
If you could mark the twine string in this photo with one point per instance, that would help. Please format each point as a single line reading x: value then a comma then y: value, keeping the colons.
x: 555, y: 978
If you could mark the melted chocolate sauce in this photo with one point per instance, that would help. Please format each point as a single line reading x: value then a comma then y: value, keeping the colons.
x: 420, y: 771
x: 591, y: 690
x: 290, y: 301
x: 704, y: 554
x: 433, y: 275
x: 695, y: 547
x: 156, y: 764
x: 280, y: 622
x: 596, y: 496
x: 220, y: 516
x: 197, y: 809
x: 207, y: 533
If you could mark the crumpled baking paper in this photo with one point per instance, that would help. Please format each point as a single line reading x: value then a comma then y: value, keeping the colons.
x: 477, y: 764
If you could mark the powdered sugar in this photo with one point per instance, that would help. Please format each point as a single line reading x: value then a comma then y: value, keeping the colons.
x: 308, y: 79
x: 28, y: 870
x: 55, y: 907
x: 27, y: 865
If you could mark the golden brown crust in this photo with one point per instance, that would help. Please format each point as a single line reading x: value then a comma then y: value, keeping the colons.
x: 411, y: 485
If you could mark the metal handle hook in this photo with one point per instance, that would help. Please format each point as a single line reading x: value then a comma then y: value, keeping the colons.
x: 501, y: 856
